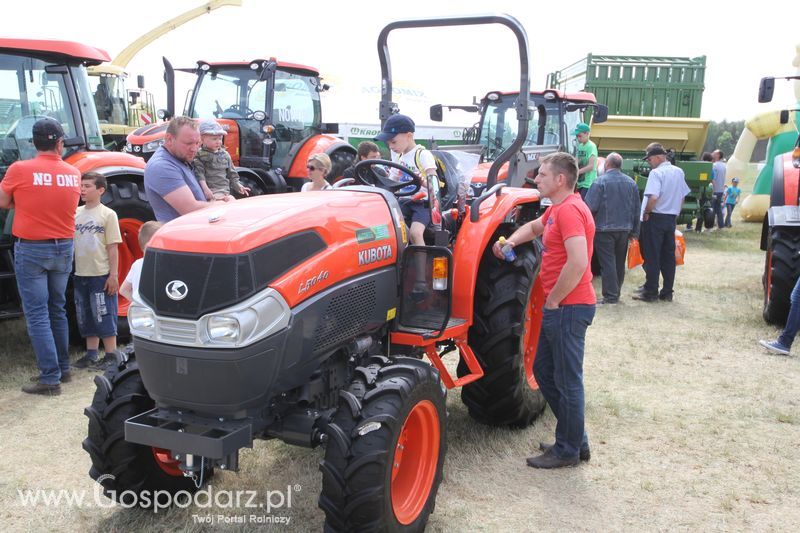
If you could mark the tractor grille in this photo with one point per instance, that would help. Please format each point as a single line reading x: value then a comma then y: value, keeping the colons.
x: 177, y: 331
x: 346, y: 315
x: 210, y: 282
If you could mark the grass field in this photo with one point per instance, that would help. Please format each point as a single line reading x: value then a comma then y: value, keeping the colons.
x: 692, y: 425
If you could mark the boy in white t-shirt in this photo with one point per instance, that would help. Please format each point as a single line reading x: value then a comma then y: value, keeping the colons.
x: 96, y: 262
x: 130, y: 287
x: 398, y: 134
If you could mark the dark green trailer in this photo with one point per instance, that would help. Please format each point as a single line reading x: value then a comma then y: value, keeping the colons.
x: 645, y: 86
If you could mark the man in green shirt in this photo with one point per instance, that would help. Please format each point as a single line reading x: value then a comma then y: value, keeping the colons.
x: 586, y: 153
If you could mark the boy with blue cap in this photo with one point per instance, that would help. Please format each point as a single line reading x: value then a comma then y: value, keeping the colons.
x: 398, y: 134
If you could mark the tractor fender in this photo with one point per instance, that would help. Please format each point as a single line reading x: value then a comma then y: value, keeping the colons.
x: 496, y: 212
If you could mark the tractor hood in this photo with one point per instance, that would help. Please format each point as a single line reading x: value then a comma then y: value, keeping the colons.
x: 297, y: 243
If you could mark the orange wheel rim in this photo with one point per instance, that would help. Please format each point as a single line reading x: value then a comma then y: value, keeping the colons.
x: 532, y: 325
x: 165, y: 461
x: 414, y: 462
x: 129, y: 251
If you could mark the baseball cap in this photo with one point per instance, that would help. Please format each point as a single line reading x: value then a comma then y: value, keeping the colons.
x: 48, y: 128
x: 735, y: 180
x: 211, y: 127
x: 582, y: 127
x: 394, y: 125
x: 656, y: 150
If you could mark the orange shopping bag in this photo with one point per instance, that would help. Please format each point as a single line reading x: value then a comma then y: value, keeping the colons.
x: 680, y: 247
x: 634, y: 254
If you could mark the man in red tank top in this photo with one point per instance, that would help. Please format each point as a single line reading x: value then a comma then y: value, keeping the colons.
x: 567, y: 230
x: 44, y: 192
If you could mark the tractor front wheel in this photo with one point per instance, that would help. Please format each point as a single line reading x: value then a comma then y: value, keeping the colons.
x: 385, y: 448
x: 129, y: 473
x: 781, y: 270
x: 504, y: 336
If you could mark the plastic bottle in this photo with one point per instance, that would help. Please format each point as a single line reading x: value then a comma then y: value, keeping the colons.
x: 507, y: 249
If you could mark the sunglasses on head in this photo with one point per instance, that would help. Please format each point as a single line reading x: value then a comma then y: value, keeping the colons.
x: 312, y: 167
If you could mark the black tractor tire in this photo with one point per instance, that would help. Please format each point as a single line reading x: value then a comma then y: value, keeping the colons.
x: 122, y: 468
x: 708, y: 217
x: 341, y: 159
x: 127, y: 198
x: 374, y: 449
x: 498, y: 337
x: 781, y: 270
x: 256, y: 187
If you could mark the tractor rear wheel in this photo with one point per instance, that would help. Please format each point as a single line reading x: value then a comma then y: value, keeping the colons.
x: 341, y: 159
x: 504, y: 336
x: 126, y: 471
x: 781, y: 270
x: 385, y: 448
x: 129, y: 201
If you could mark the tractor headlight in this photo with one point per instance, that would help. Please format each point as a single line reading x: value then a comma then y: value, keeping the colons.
x: 224, y: 328
x: 142, y: 321
x: 152, y: 146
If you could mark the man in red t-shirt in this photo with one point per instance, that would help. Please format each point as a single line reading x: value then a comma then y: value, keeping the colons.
x: 567, y: 230
x: 44, y: 192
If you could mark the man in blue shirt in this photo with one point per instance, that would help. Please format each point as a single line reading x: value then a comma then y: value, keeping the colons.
x: 663, y: 198
x: 613, y: 200
x: 171, y: 186
x: 718, y: 181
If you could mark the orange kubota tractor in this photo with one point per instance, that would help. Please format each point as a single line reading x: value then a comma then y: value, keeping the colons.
x: 43, y: 78
x: 301, y: 317
x: 272, y: 113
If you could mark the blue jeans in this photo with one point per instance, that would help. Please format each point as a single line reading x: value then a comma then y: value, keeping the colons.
x: 558, y: 369
x: 793, y: 320
x: 42, y: 272
x: 729, y: 208
x: 95, y: 310
x: 717, y: 204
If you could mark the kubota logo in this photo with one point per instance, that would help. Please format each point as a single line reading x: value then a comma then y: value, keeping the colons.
x: 372, y: 255
x: 177, y: 290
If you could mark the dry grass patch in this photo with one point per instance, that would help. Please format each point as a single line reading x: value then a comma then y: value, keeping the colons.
x: 692, y: 425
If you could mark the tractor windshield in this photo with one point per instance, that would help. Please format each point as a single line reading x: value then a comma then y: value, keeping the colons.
x: 237, y: 92
x: 499, y: 124
x: 110, y: 98
x: 31, y: 89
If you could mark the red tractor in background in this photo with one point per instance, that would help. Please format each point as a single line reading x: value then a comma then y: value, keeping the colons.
x: 301, y: 317
x: 780, y: 236
x: 553, y: 115
x: 42, y: 78
x: 272, y: 113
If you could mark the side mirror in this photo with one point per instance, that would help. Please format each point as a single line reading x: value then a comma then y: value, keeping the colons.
x: 163, y: 114
x: 436, y: 113
x: 74, y: 141
x: 140, y: 81
x: 766, y: 89
x: 784, y: 116
x: 329, y: 127
x: 600, y: 114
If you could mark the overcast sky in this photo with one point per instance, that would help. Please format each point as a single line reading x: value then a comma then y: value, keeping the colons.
x: 741, y: 41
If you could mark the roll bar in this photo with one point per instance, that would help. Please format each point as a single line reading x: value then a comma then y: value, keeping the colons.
x: 388, y: 108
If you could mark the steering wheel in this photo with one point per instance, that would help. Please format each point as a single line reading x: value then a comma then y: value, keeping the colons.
x: 242, y: 111
x: 375, y: 172
x: 344, y: 182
